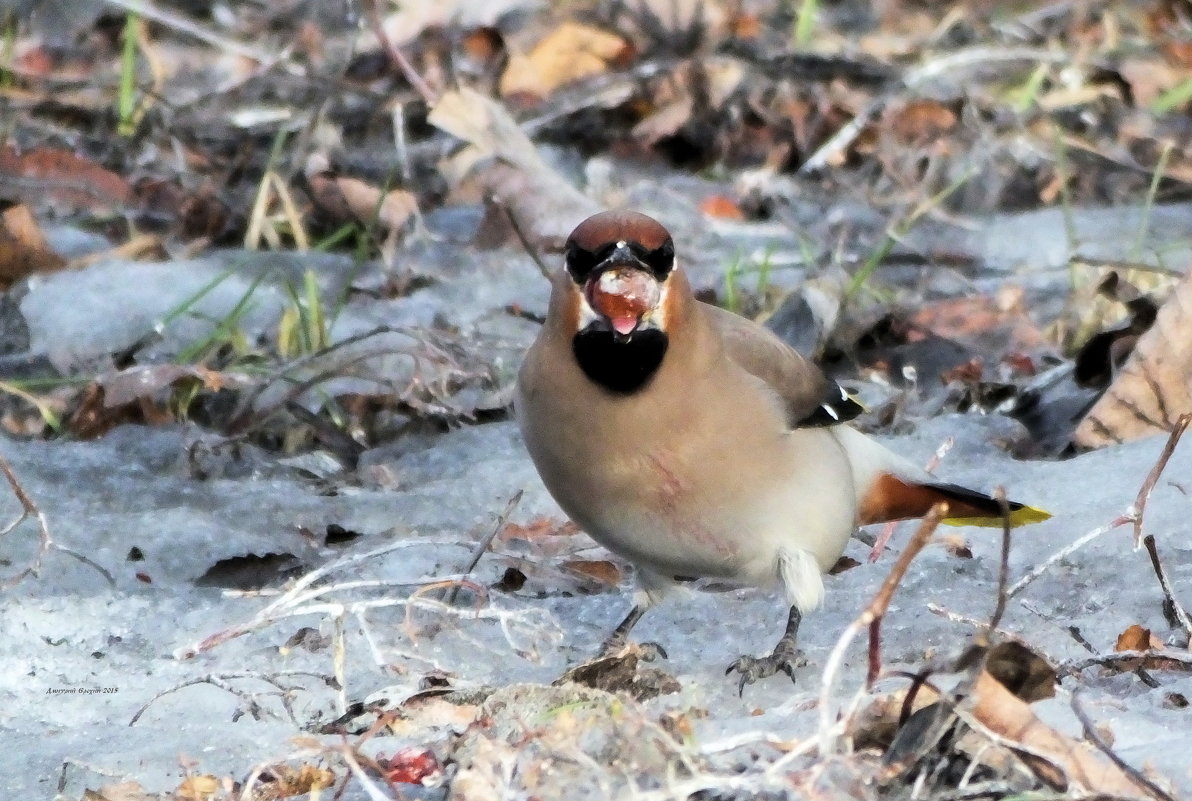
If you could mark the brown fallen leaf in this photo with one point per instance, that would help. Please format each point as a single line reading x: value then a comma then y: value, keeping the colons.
x: 60, y: 178
x: 23, y: 248
x: 1154, y: 387
x: 721, y: 207
x: 1066, y: 764
x: 1136, y: 638
x: 538, y: 527
x: 343, y: 198
x: 602, y: 570
x: 122, y: 791
x: 569, y: 53
x: 197, y: 788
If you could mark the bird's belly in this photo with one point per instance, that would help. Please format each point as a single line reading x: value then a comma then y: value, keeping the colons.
x: 682, y: 514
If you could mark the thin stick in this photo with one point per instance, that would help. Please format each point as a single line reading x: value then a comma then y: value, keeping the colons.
x: 1144, y: 493
x: 1107, y: 660
x: 877, y: 607
x: 482, y: 546
x: 45, y: 542
x: 396, y: 56
x: 525, y: 241
x: 1003, y: 573
x: 221, y: 680
x: 1063, y: 553
x: 1132, y: 773
x: 181, y: 24
x: 1169, y: 600
x: 1082, y: 641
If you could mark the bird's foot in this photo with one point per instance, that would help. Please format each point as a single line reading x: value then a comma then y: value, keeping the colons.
x: 646, y: 651
x: 785, y: 658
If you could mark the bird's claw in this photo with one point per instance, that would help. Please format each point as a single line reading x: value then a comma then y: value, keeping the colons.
x: 752, y: 668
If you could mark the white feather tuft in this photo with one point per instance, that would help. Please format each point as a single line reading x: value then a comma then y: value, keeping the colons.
x: 800, y: 575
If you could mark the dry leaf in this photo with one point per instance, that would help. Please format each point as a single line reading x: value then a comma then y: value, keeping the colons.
x: 1078, y: 763
x: 721, y: 208
x: 123, y: 791
x: 1151, y: 77
x: 602, y: 570
x: 1154, y: 387
x: 197, y: 788
x: 567, y: 54
x: 919, y: 121
x: 68, y: 181
x: 505, y: 163
x: 1136, y: 638
x: 23, y: 247
x: 538, y: 527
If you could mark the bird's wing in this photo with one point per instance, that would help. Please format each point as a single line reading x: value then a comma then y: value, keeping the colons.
x: 810, y: 397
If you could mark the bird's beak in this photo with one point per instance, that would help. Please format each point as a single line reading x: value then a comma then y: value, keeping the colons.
x: 622, y: 292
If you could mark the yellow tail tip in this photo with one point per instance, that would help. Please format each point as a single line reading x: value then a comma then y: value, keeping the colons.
x: 1022, y: 516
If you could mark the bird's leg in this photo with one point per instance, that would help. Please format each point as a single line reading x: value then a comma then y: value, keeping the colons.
x: 785, y: 657
x: 619, y: 638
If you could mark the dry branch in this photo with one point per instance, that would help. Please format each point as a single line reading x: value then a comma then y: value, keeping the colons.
x: 45, y: 542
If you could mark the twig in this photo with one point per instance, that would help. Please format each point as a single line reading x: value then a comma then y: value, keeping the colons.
x: 1063, y: 553
x: 179, y: 23
x: 1082, y: 641
x: 525, y: 241
x: 868, y: 618
x: 395, y: 55
x: 370, y: 788
x: 1132, y: 773
x: 1133, y: 515
x: 1170, y: 604
x: 482, y: 546
x: 1107, y: 660
x: 221, y: 680
x: 1136, y: 511
x: 45, y: 542
x: 1003, y: 573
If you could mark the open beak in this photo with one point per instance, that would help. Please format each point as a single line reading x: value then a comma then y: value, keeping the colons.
x: 622, y: 293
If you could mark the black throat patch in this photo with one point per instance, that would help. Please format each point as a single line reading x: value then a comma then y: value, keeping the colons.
x: 621, y: 367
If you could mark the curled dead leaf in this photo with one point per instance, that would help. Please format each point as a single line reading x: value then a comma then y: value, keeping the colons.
x: 23, y: 247
x: 569, y: 53
x: 1154, y: 387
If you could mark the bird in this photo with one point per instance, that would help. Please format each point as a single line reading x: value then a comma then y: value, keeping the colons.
x: 694, y: 442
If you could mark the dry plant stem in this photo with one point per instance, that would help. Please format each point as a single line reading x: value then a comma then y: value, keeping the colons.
x: 45, y: 540
x: 873, y: 613
x: 396, y: 56
x: 179, y: 23
x: 483, y: 545
x: 1144, y: 493
x: 1181, y: 615
x: 221, y: 680
x: 1107, y: 660
x: 1133, y: 515
x: 1132, y: 773
x: 525, y: 241
x: 298, y: 593
x: 1003, y: 573
x: 370, y: 787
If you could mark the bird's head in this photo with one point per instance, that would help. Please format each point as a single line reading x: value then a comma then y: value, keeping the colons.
x: 620, y: 264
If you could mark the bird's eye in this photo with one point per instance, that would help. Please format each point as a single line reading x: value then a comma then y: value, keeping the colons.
x: 579, y: 262
x: 661, y: 260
